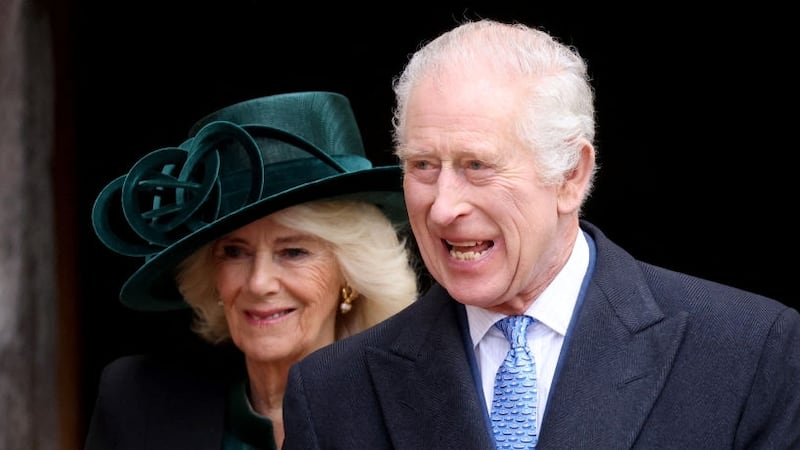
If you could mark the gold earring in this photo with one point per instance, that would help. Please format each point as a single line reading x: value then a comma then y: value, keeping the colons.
x: 348, y: 294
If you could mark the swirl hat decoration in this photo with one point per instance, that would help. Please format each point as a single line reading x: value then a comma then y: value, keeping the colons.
x: 239, y: 164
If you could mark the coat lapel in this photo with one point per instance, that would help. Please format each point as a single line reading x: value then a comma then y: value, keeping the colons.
x: 615, y: 363
x: 425, y: 386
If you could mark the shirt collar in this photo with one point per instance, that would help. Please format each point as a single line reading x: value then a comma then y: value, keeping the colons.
x: 555, y: 304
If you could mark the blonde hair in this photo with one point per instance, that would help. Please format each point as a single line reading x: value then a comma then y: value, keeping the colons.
x: 374, y: 259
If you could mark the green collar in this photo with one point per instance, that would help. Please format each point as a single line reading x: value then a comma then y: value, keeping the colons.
x: 245, y: 429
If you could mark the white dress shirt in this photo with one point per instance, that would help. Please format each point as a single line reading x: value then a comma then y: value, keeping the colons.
x: 552, y: 311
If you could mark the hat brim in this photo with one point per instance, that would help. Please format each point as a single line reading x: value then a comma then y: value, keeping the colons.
x: 152, y: 287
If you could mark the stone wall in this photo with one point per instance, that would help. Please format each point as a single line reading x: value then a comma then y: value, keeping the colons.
x: 28, y: 303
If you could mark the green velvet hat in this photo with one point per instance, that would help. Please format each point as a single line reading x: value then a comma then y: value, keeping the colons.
x: 239, y: 164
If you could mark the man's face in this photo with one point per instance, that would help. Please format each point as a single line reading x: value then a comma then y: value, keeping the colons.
x: 488, y: 229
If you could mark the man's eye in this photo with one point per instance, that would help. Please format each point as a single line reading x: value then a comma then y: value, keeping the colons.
x: 421, y: 165
x: 475, y: 165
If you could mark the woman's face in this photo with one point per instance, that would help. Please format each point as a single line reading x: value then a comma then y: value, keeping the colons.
x: 280, y: 290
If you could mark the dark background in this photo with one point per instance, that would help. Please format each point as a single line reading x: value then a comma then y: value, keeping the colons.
x: 695, y: 115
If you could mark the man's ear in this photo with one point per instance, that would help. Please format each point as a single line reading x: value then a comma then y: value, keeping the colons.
x: 572, y: 190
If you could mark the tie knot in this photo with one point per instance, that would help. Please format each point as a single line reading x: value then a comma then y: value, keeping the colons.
x: 514, y: 328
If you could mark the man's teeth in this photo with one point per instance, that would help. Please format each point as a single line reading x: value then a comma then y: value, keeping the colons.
x: 464, y: 244
x: 465, y: 255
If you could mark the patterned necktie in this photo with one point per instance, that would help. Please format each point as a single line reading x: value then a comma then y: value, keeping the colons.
x: 514, y: 405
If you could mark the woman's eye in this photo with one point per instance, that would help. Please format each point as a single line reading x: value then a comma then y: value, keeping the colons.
x: 294, y: 252
x: 232, y: 251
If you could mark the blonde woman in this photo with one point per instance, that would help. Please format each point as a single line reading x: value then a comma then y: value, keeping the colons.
x: 270, y: 223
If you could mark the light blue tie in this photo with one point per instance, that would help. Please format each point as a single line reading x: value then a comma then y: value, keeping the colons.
x: 515, y: 394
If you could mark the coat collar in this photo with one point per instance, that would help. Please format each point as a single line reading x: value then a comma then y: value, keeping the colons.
x: 426, y: 375
x: 618, y: 358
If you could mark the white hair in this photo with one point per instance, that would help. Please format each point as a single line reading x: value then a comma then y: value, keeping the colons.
x: 558, y: 109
